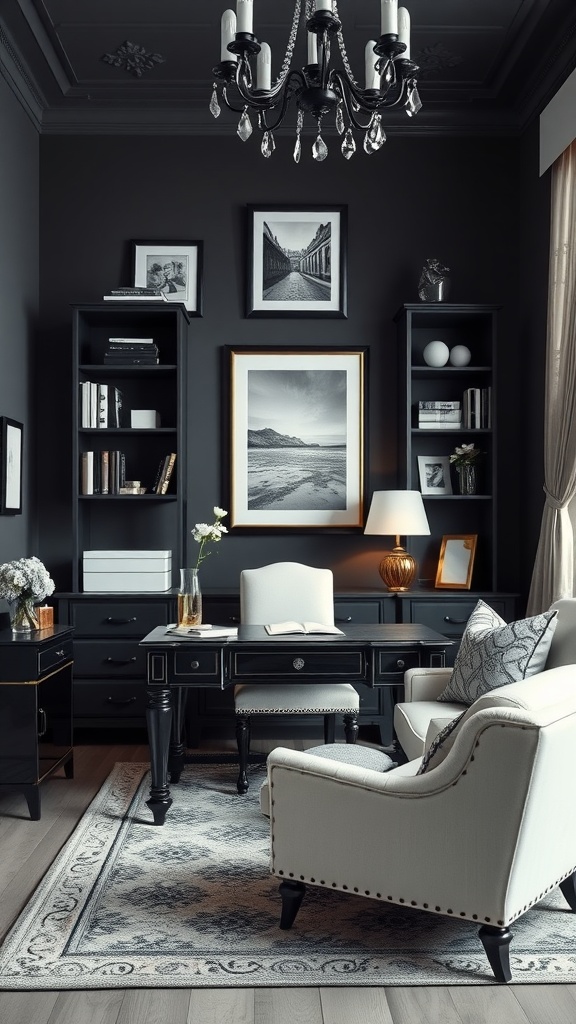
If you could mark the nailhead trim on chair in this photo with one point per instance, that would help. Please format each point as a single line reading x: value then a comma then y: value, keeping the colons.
x: 296, y: 711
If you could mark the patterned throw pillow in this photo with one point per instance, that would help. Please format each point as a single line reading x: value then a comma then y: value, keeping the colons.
x: 493, y: 652
x: 439, y: 747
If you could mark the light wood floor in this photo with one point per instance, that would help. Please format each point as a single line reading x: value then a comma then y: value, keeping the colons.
x: 27, y: 849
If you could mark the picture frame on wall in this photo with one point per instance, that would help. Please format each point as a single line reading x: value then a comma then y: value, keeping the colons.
x: 434, y: 473
x: 297, y: 437
x: 11, y: 454
x: 297, y: 261
x: 456, y: 561
x: 174, y: 267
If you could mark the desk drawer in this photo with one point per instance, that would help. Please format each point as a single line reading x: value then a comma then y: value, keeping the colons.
x: 59, y: 653
x: 294, y: 664
x: 112, y: 699
x: 118, y: 618
x: 109, y: 659
x: 391, y: 665
x: 201, y: 666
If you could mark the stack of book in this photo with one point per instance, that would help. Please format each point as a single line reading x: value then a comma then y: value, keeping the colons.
x: 477, y: 405
x: 164, y: 474
x: 135, y: 295
x: 102, y: 472
x: 131, y: 352
x: 100, y: 405
x: 439, y: 415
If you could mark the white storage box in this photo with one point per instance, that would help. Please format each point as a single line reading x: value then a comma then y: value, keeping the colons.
x: 127, y: 571
x: 144, y: 418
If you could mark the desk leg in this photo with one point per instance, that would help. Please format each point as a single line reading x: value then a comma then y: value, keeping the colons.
x: 159, y: 720
x: 176, y: 758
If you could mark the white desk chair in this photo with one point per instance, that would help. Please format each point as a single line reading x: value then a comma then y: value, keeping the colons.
x: 276, y: 593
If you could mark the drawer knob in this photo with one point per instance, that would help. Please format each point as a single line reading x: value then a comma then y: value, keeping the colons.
x: 455, y: 622
x: 194, y: 664
x: 119, y: 622
x: 400, y: 663
x: 120, y: 661
x: 347, y: 618
x: 298, y: 663
x: 60, y: 654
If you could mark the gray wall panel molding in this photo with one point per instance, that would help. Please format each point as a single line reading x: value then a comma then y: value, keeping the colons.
x: 19, y: 80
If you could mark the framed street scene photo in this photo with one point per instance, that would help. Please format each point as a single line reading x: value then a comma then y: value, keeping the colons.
x: 456, y: 561
x: 173, y: 267
x: 11, y: 466
x: 296, y: 261
x: 434, y: 472
x: 297, y: 429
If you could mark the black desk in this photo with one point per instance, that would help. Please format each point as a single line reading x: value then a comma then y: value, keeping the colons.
x: 373, y: 654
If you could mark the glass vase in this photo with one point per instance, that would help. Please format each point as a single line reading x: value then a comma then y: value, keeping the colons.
x: 189, y: 598
x: 467, y: 479
x: 23, y: 615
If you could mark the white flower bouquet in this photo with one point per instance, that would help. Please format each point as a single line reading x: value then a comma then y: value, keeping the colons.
x: 204, y: 533
x: 27, y: 578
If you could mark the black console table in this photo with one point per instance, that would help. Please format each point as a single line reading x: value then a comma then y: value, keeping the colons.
x: 376, y: 655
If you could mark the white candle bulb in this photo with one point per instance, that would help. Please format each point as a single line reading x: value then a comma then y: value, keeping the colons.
x: 312, y: 48
x: 244, y: 16
x: 227, y: 35
x: 404, y: 31
x: 389, y: 17
x: 264, y: 67
x: 324, y: 5
x: 372, y: 76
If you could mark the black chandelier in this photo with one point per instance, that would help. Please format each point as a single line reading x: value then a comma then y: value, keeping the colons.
x: 318, y: 90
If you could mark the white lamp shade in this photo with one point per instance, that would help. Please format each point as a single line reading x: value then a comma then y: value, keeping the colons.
x: 397, y: 513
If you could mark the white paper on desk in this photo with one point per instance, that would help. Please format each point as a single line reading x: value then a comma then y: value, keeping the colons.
x: 192, y: 633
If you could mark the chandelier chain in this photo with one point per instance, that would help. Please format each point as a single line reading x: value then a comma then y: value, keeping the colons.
x: 343, y: 53
x: 291, y: 42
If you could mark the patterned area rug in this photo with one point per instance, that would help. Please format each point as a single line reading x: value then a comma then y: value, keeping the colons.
x: 191, y: 904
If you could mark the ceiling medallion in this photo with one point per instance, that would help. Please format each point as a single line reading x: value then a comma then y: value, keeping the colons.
x: 133, y: 58
x: 243, y: 78
x: 433, y: 59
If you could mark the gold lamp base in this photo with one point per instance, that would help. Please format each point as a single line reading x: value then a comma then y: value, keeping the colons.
x: 398, y: 569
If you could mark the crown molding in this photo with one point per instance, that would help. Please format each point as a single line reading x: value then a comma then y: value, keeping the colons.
x: 19, y: 79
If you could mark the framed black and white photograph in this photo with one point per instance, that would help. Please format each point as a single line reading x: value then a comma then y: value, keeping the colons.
x: 434, y: 472
x: 296, y: 261
x: 11, y: 433
x: 297, y: 436
x: 175, y: 268
x: 456, y: 561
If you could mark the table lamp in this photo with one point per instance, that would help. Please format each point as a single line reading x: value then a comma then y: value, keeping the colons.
x: 392, y: 514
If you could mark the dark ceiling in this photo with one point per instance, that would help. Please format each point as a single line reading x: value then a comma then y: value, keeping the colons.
x: 487, y: 66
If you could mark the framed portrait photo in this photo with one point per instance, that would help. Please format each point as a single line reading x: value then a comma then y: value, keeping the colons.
x: 173, y: 267
x: 11, y: 433
x: 297, y: 436
x: 434, y: 472
x: 456, y: 561
x: 296, y: 261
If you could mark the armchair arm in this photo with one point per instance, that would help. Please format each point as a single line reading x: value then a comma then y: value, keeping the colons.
x: 425, y: 683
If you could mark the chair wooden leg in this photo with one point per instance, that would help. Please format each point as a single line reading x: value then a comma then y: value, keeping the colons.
x: 329, y: 728
x: 243, y: 741
x: 351, y: 728
x: 568, y: 889
x: 496, y: 942
x: 292, y: 894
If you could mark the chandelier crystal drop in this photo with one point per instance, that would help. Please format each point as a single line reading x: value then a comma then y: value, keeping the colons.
x: 316, y: 89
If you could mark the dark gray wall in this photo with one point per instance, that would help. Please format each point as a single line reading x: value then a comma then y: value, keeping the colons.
x: 19, y: 217
x: 463, y: 200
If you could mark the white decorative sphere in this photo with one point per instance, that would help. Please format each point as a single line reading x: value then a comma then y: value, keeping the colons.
x: 436, y: 353
x: 460, y: 355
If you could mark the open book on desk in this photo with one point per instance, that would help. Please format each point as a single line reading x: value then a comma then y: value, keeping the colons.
x: 201, y: 632
x: 281, y: 628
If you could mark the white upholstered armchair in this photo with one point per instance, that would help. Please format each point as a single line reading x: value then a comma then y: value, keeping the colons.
x: 276, y: 593
x: 483, y: 836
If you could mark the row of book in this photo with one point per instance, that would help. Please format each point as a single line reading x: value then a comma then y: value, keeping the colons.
x: 131, y: 352
x: 100, y: 405
x: 474, y: 412
x: 104, y: 472
x: 135, y: 295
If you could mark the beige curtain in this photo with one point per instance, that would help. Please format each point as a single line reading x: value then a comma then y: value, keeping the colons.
x: 553, y: 574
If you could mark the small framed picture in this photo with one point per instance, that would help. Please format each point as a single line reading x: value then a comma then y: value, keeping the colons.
x: 11, y: 466
x: 296, y: 261
x: 173, y: 267
x: 434, y: 471
x: 456, y: 561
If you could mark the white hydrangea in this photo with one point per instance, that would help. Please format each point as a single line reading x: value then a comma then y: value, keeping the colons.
x: 26, y: 577
x: 204, y: 532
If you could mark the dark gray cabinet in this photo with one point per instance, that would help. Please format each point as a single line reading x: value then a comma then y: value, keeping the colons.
x: 35, y: 710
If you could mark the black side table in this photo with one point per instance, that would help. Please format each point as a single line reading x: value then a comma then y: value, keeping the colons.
x: 35, y: 709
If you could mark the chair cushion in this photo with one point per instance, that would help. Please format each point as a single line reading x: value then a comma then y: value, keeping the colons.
x: 295, y: 698
x: 412, y: 720
x: 493, y: 653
